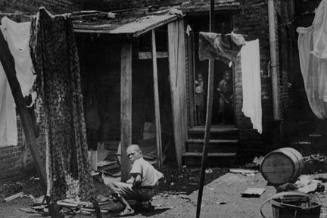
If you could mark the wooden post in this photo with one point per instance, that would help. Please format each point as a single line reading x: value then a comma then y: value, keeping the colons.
x: 125, y: 105
x: 211, y: 68
x: 8, y: 64
x: 156, y: 99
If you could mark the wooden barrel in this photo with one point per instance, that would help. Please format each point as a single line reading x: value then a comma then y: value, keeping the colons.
x: 281, y: 166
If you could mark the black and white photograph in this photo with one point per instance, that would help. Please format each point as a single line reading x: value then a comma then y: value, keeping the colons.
x: 163, y: 108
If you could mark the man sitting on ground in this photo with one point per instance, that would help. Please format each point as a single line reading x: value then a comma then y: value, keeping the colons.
x: 142, y: 184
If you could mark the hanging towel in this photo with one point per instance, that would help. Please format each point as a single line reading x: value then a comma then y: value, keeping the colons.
x: 312, y: 44
x: 8, y: 121
x: 251, y: 83
x: 17, y: 36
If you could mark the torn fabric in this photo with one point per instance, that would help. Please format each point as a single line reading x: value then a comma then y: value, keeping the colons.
x: 60, y: 104
x: 251, y: 83
x: 313, y: 71
x: 319, y: 31
x: 312, y: 45
x: 17, y: 36
x: 219, y: 46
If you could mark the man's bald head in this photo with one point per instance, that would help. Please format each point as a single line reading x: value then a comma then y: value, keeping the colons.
x: 133, y: 152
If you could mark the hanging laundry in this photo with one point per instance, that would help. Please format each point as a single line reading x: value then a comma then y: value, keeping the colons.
x: 319, y: 33
x: 8, y: 120
x: 220, y: 46
x: 60, y: 103
x: 251, y: 83
x: 17, y: 36
x: 312, y: 44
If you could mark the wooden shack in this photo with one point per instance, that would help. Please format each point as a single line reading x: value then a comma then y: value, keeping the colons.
x: 136, y: 64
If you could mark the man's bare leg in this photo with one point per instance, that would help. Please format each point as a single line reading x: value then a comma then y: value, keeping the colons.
x: 128, y: 209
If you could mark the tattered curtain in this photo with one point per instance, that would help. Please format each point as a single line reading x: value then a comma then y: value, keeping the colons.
x: 312, y: 44
x: 60, y: 106
x: 177, y: 77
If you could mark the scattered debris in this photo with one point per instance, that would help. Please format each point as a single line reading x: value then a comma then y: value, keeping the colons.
x: 13, y: 197
x: 28, y: 210
x: 286, y: 187
x: 244, y: 172
x: 253, y: 192
x: 307, y: 185
x: 221, y: 202
x: 35, y: 179
x: 209, y: 171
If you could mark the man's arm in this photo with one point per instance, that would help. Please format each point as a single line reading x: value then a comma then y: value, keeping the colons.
x: 135, y: 180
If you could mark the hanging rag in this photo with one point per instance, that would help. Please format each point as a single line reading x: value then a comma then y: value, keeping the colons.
x: 177, y: 79
x: 60, y: 106
x: 224, y: 47
x: 312, y: 45
x: 251, y: 83
x: 8, y: 120
x: 17, y: 36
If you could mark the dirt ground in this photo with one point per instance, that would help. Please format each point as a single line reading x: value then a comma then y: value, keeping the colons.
x: 178, y: 196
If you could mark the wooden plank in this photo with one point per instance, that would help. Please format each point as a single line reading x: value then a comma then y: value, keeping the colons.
x: 156, y: 99
x: 191, y: 77
x: 8, y: 64
x: 148, y: 55
x: 126, y: 105
x: 210, y: 90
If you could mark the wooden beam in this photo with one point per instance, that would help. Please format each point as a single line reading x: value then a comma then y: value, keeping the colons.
x: 8, y: 64
x: 210, y: 89
x: 125, y: 105
x: 156, y: 100
x: 148, y: 55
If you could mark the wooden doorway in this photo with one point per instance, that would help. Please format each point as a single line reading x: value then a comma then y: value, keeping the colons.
x: 223, y: 102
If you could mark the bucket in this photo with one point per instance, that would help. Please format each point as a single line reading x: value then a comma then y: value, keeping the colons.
x: 281, y: 166
x: 292, y: 205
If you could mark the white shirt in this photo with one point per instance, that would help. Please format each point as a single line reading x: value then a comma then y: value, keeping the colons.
x: 150, y: 176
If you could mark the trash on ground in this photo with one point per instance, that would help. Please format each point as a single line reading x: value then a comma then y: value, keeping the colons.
x: 13, y: 197
x: 209, y: 171
x: 244, y: 172
x: 307, y: 185
x: 253, y: 192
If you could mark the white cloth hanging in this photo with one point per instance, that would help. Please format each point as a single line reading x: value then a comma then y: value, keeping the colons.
x: 17, y: 36
x: 251, y: 83
x: 8, y: 121
x: 312, y: 45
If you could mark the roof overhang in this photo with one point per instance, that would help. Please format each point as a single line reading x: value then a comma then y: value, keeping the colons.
x: 134, y: 27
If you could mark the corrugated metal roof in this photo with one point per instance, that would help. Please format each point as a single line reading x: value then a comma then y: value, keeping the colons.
x: 133, y: 26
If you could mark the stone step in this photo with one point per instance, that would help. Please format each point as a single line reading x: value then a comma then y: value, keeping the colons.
x: 213, y: 141
x: 213, y: 159
x: 214, y: 145
x: 216, y: 132
x: 198, y: 154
